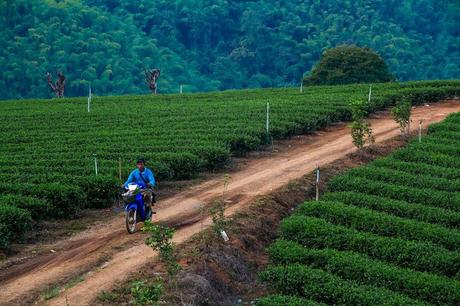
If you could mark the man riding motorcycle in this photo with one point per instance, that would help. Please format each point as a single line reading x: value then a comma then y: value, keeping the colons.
x: 144, y: 178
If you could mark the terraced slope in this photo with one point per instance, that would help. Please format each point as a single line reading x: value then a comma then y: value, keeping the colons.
x: 386, y: 233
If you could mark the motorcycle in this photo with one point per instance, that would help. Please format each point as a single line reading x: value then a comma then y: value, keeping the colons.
x: 135, y: 209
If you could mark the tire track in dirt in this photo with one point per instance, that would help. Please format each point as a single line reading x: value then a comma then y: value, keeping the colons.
x: 259, y: 176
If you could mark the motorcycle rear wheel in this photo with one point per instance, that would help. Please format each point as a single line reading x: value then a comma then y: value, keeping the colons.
x: 131, y: 216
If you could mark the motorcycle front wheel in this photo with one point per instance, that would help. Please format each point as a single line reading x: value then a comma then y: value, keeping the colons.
x: 131, y: 220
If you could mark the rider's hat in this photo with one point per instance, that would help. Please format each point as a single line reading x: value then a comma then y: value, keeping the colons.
x: 140, y: 161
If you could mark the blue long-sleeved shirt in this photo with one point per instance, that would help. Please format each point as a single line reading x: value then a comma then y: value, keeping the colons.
x: 135, y: 177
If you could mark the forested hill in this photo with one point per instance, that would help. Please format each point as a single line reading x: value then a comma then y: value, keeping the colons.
x: 214, y: 44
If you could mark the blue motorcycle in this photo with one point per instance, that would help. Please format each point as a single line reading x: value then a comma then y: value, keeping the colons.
x: 135, y: 209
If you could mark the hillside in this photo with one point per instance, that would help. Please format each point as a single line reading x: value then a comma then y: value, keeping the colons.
x: 214, y: 45
x: 61, y: 158
x: 85, y: 267
x: 357, y: 245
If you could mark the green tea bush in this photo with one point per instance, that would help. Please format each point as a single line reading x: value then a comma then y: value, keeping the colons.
x: 443, y: 199
x: 14, y: 222
x: 146, y: 294
x: 318, y: 233
x: 405, y: 179
x: 48, y: 160
x: 393, y: 224
x: 402, y: 209
x: 430, y: 158
x: 417, y: 168
x: 285, y: 300
x: 321, y: 286
x: 65, y: 199
x: 383, y: 224
x: 353, y: 266
x: 38, y: 208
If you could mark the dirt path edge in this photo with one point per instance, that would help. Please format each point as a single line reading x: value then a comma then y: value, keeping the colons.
x: 218, y: 273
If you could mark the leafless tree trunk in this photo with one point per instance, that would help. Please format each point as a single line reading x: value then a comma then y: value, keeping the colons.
x: 151, y: 77
x: 59, y: 86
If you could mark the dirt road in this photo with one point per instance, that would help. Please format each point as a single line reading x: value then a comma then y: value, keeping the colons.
x: 97, y: 254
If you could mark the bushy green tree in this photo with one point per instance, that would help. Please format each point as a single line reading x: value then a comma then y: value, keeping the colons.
x: 349, y: 64
x: 361, y: 130
x: 401, y: 114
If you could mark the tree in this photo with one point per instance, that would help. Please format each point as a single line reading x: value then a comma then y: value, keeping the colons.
x: 151, y: 77
x: 349, y: 64
x: 160, y: 240
x: 59, y: 86
x: 401, y: 114
x: 361, y: 130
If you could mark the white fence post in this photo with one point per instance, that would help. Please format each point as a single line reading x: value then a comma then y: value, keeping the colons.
x: 370, y: 94
x: 317, y: 183
x: 224, y: 235
x: 180, y: 88
x: 267, y: 124
x: 95, y: 163
x: 89, y: 98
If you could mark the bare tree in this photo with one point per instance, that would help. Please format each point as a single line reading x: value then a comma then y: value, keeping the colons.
x: 59, y: 86
x: 151, y: 77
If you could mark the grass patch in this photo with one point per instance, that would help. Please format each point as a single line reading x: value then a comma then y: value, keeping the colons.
x: 105, y: 296
x: 51, y: 293
x: 75, y: 227
x: 54, y: 291
x: 74, y: 281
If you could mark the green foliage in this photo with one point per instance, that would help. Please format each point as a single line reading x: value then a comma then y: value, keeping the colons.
x: 361, y: 130
x: 429, y: 158
x: 101, y: 191
x: 179, y: 135
x: 66, y: 199
x: 37, y: 207
x: 106, y: 296
x: 420, y: 212
x: 321, y: 286
x: 285, y: 300
x: 160, y: 240
x: 5, y: 236
x: 418, y: 168
x: 392, y: 224
x: 51, y: 292
x: 213, y: 45
x: 318, y: 233
x: 399, y: 177
x: 347, y: 65
x: 352, y: 266
x: 442, y: 199
x: 401, y: 114
x: 358, y: 109
x: 383, y: 224
x: 146, y: 294
x: 14, y: 223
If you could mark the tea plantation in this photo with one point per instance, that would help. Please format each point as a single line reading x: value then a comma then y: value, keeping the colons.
x: 387, y: 233
x: 49, y: 147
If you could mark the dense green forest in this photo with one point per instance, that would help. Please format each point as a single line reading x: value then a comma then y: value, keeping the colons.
x: 214, y: 44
